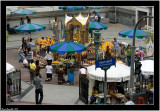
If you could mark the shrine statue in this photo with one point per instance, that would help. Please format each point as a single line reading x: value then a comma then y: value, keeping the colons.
x: 77, y: 36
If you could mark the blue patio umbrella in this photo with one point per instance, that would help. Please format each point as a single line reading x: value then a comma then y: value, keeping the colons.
x: 23, y: 12
x: 70, y: 8
x: 30, y: 27
x: 95, y: 7
x: 97, y: 26
x: 139, y: 33
x: 67, y: 47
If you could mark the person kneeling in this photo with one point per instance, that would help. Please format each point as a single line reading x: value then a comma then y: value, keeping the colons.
x: 71, y: 75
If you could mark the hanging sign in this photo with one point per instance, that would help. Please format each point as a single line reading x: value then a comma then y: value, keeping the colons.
x: 105, y: 63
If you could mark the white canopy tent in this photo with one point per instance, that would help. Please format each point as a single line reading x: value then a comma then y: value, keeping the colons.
x: 114, y: 74
x: 9, y: 68
x: 147, y: 67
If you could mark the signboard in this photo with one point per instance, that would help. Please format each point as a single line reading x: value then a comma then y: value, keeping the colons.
x: 150, y: 48
x: 106, y: 62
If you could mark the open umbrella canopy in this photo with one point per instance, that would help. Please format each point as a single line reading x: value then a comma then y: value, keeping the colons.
x: 9, y: 68
x: 97, y: 26
x: 67, y: 47
x: 139, y: 33
x: 114, y: 74
x: 30, y: 27
x: 95, y: 7
x: 23, y: 12
x: 147, y: 67
x: 70, y: 8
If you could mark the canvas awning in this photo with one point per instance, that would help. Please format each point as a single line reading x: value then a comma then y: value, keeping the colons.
x: 9, y: 68
x: 115, y: 74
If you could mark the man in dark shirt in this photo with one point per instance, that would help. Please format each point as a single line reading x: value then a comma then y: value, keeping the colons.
x: 98, y: 15
x: 38, y: 88
x: 120, y: 88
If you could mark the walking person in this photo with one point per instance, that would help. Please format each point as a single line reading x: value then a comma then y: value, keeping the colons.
x: 49, y: 70
x: 60, y: 73
x: 38, y: 88
x: 32, y: 70
x: 128, y: 53
x: 29, y: 56
x: 21, y: 21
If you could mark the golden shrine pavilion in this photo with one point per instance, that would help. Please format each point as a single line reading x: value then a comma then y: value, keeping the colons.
x: 77, y: 28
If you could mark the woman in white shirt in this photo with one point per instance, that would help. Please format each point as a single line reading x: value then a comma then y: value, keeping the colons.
x: 49, y: 70
x: 49, y: 56
x: 128, y: 102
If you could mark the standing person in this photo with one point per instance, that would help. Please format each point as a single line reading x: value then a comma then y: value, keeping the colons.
x: 127, y: 98
x: 49, y: 55
x: 49, y: 70
x: 59, y: 28
x: 24, y: 44
x: 21, y: 21
x: 20, y: 52
x: 60, y: 73
x: 32, y: 70
x: 120, y: 88
x: 108, y: 53
x: 83, y: 71
x: 30, y: 44
x: 55, y: 29
x: 9, y: 84
x: 29, y: 56
x: 38, y: 68
x: 71, y: 75
x: 28, y: 19
x: 98, y: 15
x: 128, y: 53
x: 38, y: 88
x: 116, y: 45
x: 122, y: 53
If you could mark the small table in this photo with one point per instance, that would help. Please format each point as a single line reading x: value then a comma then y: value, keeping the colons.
x: 101, y: 96
x: 119, y: 95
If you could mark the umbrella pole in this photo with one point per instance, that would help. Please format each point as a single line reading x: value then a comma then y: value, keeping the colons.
x: 115, y: 57
x: 67, y: 64
x: 105, y: 86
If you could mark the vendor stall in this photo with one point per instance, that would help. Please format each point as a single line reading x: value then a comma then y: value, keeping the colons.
x: 115, y: 74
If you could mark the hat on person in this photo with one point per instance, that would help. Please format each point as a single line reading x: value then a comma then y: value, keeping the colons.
x: 47, y: 36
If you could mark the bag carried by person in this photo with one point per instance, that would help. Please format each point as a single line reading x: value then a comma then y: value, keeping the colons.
x: 66, y: 78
